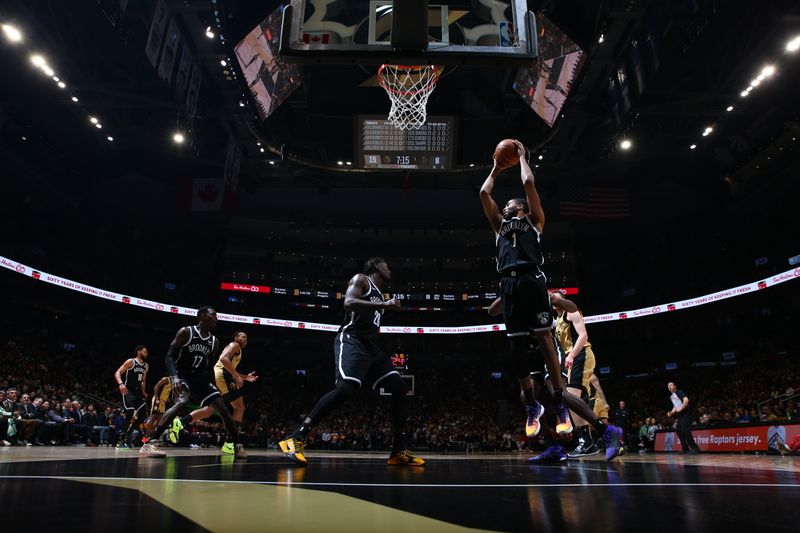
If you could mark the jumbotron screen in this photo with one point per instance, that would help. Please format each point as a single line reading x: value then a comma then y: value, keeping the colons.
x: 379, y: 145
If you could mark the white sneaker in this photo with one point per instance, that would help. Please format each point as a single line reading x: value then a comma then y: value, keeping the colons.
x: 5, y: 443
x: 151, y: 450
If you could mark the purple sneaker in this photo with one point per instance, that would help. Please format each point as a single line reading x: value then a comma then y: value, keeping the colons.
x: 534, y: 412
x: 553, y: 454
x: 613, y: 440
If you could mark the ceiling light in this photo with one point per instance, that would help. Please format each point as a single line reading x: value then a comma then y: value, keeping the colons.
x: 56, y: 78
x: 38, y: 60
x: 12, y: 33
x: 47, y: 70
x: 178, y: 138
x: 744, y: 93
x: 600, y: 40
x: 791, y: 46
x: 729, y: 108
x: 93, y: 120
x: 74, y: 98
x: 755, y: 83
x: 692, y: 147
x: 271, y: 162
x: 708, y: 130
x: 541, y: 157
x: 340, y: 163
x: 625, y: 144
x: 241, y: 104
x: 62, y: 85
x: 769, y: 70
x: 209, y: 33
x: 349, y: 162
x: 223, y: 63
x: 261, y: 150
x: 110, y: 138
x: 98, y: 126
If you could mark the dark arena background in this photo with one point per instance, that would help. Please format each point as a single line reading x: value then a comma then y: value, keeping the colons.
x: 175, y: 172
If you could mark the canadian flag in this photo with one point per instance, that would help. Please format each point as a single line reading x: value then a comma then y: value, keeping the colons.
x: 316, y: 37
x: 201, y: 194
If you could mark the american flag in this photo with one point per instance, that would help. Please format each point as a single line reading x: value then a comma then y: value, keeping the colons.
x: 594, y: 202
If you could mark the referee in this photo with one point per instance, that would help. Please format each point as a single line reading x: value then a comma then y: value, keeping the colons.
x: 683, y: 425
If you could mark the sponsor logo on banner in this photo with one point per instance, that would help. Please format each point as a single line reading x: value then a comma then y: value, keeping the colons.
x: 655, y: 310
x: 797, y: 272
x: 406, y: 330
x: 785, y: 276
x: 623, y: 316
x: 36, y: 274
x: 20, y: 268
x: 126, y: 300
x: 420, y: 330
x: 301, y: 325
x: 287, y: 324
x: 495, y: 327
x: 173, y: 309
x: 160, y: 307
x: 256, y: 321
x: 762, y: 284
x: 776, y: 435
x: 671, y: 307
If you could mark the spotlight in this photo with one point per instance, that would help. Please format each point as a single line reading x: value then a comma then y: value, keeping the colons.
x: 340, y: 163
x: 74, y: 98
x: 38, y: 60
x: 62, y: 85
x: 47, y: 70
x: 98, y: 126
x: 729, y: 108
x: 541, y: 157
x: 768, y: 71
x: 349, y: 163
x: 626, y: 144
x: 223, y: 63
x: 12, y: 33
x: 791, y: 46
x: 600, y: 40
x: 178, y: 138
x: 56, y: 79
x: 708, y: 130
x: 110, y: 138
x: 209, y: 33
x: 755, y: 83
x: 744, y: 93
x: 93, y: 120
x: 692, y: 147
x: 261, y: 150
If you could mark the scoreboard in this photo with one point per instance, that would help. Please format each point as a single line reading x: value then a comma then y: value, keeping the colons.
x: 379, y: 145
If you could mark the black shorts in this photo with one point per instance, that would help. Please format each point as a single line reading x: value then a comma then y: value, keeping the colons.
x: 357, y: 359
x: 133, y: 402
x: 201, y: 390
x: 526, y: 303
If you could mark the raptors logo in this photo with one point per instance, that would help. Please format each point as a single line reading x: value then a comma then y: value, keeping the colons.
x: 301, y: 325
x: 762, y: 284
x: 256, y: 321
x: 623, y: 315
x: 420, y: 330
x: 671, y: 307
x: 495, y: 328
x: 126, y: 299
x: 36, y: 274
x: 173, y: 309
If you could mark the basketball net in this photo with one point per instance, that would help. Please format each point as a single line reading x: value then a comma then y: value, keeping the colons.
x: 408, y: 88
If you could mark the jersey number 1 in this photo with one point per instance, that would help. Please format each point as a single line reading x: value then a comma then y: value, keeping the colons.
x: 513, y: 240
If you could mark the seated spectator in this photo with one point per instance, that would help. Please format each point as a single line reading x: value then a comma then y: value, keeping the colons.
x: 97, y: 424
x: 27, y: 422
x: 741, y: 416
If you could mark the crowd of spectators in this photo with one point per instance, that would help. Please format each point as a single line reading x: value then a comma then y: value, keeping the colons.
x: 50, y: 394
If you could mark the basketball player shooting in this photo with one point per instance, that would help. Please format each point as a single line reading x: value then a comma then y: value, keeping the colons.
x: 523, y: 286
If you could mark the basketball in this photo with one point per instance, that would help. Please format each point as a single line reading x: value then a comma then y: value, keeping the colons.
x: 506, y: 153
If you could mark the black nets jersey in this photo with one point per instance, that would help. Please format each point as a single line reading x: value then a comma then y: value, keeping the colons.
x: 195, y: 357
x: 518, y: 245
x: 367, y: 323
x: 134, y: 376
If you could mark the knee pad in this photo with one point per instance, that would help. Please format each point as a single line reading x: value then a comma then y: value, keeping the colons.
x: 346, y: 388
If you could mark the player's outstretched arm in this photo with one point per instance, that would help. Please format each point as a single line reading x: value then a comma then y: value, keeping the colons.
x: 180, y: 340
x: 490, y: 208
x: 531, y: 195
x: 354, y: 297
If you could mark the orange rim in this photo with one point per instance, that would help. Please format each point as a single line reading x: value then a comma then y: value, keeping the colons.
x: 431, y: 83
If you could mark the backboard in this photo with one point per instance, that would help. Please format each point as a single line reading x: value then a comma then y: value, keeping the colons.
x: 460, y: 32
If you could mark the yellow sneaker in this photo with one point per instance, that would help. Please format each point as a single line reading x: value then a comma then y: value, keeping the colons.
x: 175, y: 429
x: 534, y: 413
x: 405, y: 458
x: 228, y: 448
x: 293, y: 448
x: 563, y: 422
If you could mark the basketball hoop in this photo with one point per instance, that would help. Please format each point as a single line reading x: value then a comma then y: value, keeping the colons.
x: 408, y: 88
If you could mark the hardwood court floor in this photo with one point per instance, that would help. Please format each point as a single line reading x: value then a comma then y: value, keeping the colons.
x: 91, y: 489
